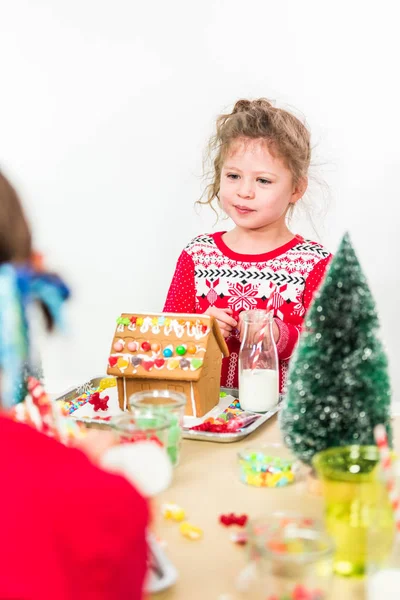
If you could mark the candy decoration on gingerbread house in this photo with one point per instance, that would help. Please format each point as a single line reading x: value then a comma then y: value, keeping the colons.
x: 168, y: 351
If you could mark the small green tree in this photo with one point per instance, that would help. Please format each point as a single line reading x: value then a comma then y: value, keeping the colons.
x: 338, y: 382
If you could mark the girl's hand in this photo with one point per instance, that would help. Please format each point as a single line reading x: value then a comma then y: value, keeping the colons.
x: 224, y: 318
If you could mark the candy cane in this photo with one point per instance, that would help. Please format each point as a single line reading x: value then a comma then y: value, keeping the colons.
x: 42, y: 402
x: 260, y: 337
x: 388, y: 472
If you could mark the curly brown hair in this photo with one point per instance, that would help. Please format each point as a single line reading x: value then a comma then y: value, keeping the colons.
x: 286, y: 136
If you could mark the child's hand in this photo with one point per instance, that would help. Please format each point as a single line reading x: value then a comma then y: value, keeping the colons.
x: 224, y: 318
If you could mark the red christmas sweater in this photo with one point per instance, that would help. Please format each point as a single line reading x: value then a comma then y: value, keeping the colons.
x: 69, y: 531
x: 208, y: 273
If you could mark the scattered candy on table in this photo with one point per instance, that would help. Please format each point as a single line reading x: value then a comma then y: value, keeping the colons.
x: 173, y: 512
x: 300, y: 592
x: 190, y: 531
x: 261, y: 470
x: 239, y: 537
x: 232, y: 519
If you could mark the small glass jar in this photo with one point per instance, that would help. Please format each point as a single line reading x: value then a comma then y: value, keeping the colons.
x: 137, y: 428
x: 169, y: 404
x: 267, y: 465
x: 258, y: 362
x: 294, y: 556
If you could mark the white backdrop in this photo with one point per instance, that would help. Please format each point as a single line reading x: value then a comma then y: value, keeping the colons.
x: 105, y: 108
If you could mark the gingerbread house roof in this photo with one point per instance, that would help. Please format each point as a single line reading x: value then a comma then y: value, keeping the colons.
x: 163, y: 346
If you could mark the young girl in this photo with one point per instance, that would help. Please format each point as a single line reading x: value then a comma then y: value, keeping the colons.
x: 261, y: 155
x: 69, y: 530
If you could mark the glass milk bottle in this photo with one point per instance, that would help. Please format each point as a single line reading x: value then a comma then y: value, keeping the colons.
x: 258, y: 362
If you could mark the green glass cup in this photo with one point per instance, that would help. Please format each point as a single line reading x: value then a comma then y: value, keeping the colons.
x: 353, y: 489
x: 169, y: 404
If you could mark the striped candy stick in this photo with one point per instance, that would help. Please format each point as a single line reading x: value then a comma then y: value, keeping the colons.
x: 39, y: 399
x: 52, y: 418
x: 259, y: 342
x: 388, y: 472
x: 260, y: 337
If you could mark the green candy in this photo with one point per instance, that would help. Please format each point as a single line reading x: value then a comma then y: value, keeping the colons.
x: 197, y: 363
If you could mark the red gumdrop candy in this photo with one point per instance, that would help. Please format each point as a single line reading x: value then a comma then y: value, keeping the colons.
x: 112, y: 360
x: 232, y: 519
x: 99, y: 403
x: 242, y: 520
x: 301, y: 593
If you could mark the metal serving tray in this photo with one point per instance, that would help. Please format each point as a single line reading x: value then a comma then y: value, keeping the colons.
x: 206, y: 436
x: 74, y: 392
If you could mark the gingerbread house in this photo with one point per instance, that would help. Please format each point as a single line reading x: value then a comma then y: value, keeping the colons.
x: 168, y: 351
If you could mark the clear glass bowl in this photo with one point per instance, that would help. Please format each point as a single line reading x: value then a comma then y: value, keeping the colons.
x: 294, y: 556
x: 267, y: 465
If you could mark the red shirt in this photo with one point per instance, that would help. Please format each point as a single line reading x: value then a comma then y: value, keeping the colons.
x: 209, y: 273
x: 68, y: 530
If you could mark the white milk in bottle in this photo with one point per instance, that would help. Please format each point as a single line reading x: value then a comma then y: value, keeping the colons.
x: 258, y: 389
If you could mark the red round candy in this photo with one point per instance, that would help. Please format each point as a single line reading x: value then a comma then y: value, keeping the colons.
x: 146, y: 346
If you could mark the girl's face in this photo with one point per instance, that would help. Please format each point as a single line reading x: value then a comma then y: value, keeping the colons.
x: 256, y: 187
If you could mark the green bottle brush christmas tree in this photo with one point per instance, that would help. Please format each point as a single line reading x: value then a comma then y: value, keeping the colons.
x: 338, y: 383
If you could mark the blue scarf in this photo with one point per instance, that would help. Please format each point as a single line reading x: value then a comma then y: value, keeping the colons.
x: 19, y: 288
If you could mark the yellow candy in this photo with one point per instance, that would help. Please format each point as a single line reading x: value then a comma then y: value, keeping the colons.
x: 139, y: 321
x: 107, y: 382
x: 190, y: 531
x: 167, y: 322
x: 154, y: 321
x: 122, y: 363
x: 173, y: 512
x: 173, y: 363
